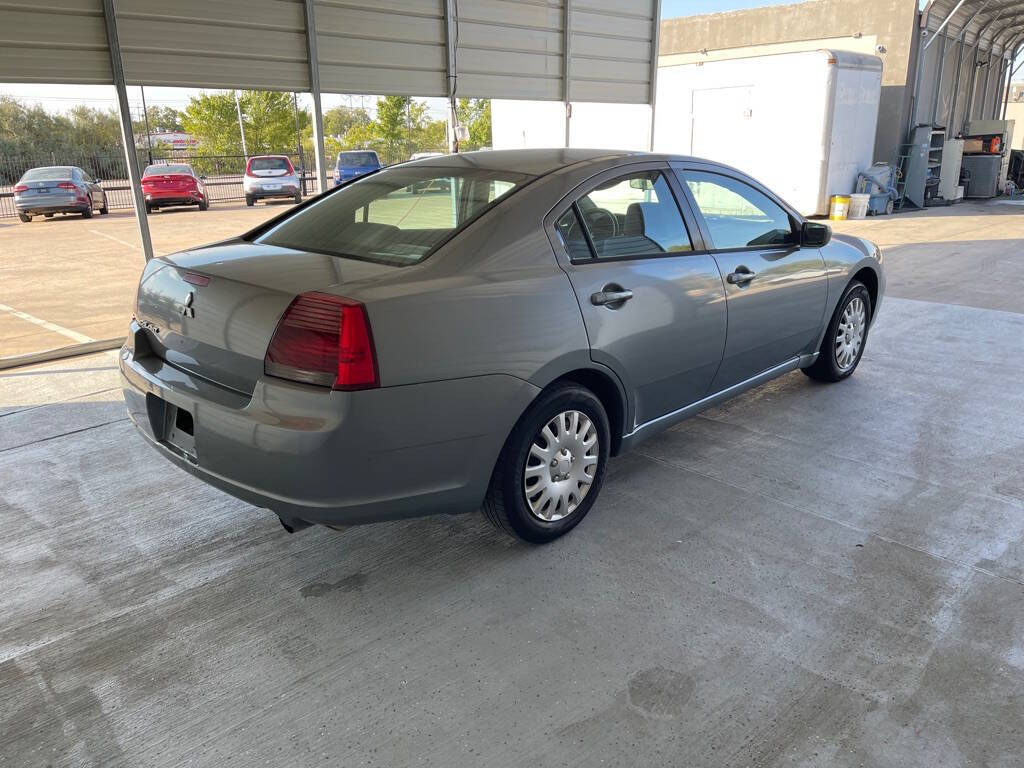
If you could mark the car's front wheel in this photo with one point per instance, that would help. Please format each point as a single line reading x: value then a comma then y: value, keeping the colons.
x: 847, y: 332
x: 552, y: 466
x: 105, y: 209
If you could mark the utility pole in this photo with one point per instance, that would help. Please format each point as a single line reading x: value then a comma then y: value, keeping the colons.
x: 298, y: 142
x: 145, y: 114
x: 241, y: 128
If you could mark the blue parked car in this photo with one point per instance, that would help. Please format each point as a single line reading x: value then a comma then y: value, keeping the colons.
x: 352, y: 165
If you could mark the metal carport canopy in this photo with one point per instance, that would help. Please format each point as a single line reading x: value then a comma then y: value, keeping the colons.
x: 568, y: 50
x: 991, y: 25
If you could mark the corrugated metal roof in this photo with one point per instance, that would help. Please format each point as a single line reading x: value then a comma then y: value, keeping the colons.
x: 503, y: 48
x: 991, y: 25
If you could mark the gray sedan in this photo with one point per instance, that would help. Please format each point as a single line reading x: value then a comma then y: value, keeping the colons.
x: 58, y: 189
x: 383, y: 352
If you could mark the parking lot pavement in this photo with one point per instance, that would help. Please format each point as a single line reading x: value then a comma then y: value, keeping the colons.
x: 809, y: 575
x: 69, y: 279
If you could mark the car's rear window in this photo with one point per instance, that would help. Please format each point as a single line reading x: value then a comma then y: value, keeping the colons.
x: 162, y: 170
x: 269, y: 164
x: 397, y: 216
x: 53, y: 173
x: 358, y: 160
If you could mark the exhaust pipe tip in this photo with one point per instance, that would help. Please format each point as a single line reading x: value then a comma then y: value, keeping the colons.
x: 293, y: 525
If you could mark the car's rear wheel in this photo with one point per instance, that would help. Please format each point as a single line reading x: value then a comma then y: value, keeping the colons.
x: 87, y: 213
x: 552, y: 466
x: 250, y: 200
x: 298, y: 198
x: 845, y: 337
x: 47, y: 215
x: 204, y: 204
x: 25, y: 218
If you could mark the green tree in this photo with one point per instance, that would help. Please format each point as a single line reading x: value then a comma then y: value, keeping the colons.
x: 339, y: 120
x: 475, y: 114
x: 160, y: 119
x: 268, y: 118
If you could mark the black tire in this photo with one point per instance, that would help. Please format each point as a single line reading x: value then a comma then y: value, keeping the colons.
x: 149, y: 208
x: 505, y: 505
x: 47, y: 215
x: 105, y: 209
x: 87, y: 213
x: 298, y: 198
x: 204, y: 205
x: 826, y: 367
x: 250, y: 201
x: 25, y: 218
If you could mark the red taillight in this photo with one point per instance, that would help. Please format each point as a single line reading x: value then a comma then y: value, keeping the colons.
x: 67, y: 185
x: 21, y: 188
x: 324, y: 340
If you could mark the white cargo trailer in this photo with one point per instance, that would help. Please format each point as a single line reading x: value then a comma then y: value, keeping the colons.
x: 801, y: 123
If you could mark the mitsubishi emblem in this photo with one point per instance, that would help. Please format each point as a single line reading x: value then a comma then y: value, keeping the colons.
x: 186, y: 308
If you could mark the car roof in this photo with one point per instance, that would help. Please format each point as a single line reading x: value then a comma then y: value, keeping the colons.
x: 533, y: 162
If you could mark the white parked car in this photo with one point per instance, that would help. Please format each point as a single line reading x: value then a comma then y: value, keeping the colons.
x: 271, y: 176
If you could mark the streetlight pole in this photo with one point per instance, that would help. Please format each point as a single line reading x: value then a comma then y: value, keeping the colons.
x: 241, y: 128
x: 145, y: 114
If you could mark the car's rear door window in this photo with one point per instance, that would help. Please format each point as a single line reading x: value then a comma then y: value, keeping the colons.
x: 737, y: 215
x: 397, y: 216
x: 634, y: 215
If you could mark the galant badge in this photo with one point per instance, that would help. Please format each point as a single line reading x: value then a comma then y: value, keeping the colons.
x: 186, y: 308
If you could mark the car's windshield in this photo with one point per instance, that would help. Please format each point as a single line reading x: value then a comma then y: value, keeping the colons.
x: 48, y: 174
x: 397, y: 216
x: 162, y: 170
x: 269, y: 164
x: 358, y: 160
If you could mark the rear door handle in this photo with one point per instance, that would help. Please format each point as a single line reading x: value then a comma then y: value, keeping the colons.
x: 602, y: 298
x: 741, y: 276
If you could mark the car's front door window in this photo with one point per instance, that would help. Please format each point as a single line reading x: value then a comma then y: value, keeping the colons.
x: 634, y: 215
x: 737, y: 215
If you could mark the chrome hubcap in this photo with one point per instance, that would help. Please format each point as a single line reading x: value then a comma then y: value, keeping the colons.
x: 561, y: 466
x: 850, y: 333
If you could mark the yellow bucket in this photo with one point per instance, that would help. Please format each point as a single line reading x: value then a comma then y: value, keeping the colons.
x: 839, y: 207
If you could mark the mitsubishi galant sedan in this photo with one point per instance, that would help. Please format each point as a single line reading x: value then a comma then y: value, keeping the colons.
x: 377, y: 354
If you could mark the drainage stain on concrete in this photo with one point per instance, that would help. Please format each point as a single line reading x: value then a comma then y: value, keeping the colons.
x: 660, y: 692
x: 348, y: 584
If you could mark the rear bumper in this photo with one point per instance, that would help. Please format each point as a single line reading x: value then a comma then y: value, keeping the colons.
x: 261, y: 194
x: 71, y: 205
x: 340, y: 458
x: 172, y: 198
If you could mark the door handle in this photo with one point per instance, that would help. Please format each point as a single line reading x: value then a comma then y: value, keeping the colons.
x: 741, y: 276
x: 606, y: 297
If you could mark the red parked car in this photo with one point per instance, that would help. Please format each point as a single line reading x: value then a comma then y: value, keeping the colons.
x: 178, y: 184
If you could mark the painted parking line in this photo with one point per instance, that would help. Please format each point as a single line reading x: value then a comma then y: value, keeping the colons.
x: 115, y: 239
x: 81, y: 338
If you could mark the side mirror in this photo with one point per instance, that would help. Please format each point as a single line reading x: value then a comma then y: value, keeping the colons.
x: 97, y: 181
x: 202, y: 178
x: 815, y: 235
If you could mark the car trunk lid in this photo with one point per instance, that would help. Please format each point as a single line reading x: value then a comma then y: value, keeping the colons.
x: 213, y: 311
x: 174, y: 182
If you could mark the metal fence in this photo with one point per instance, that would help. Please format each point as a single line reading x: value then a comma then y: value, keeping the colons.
x: 224, y: 173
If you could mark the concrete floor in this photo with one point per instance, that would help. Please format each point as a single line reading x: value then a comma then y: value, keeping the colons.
x: 810, y: 575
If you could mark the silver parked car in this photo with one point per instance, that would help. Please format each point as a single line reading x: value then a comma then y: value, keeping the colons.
x: 377, y: 354
x: 270, y: 176
x: 58, y: 189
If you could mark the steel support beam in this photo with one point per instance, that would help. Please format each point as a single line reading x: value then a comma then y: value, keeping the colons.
x: 127, y: 132
x: 567, y: 68
x: 938, y: 80
x: 655, y: 44
x: 956, y: 89
x: 984, y: 87
x: 970, y: 87
x: 451, y: 32
x: 314, y: 90
x: 945, y: 21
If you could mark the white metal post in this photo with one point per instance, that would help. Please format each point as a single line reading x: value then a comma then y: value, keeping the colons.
x: 127, y: 132
x: 451, y: 36
x: 655, y: 44
x: 314, y: 91
x: 567, y: 70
